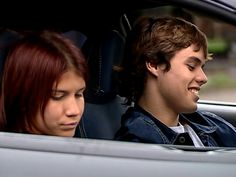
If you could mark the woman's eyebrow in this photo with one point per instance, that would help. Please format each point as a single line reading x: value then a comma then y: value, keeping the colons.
x: 82, y: 89
x: 63, y: 91
x: 58, y: 91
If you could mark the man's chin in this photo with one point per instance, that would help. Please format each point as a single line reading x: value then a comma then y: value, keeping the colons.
x: 190, y: 110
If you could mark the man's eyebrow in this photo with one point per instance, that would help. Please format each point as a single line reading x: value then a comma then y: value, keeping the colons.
x: 196, y: 60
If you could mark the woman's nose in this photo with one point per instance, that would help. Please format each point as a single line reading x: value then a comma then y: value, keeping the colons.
x: 74, y: 107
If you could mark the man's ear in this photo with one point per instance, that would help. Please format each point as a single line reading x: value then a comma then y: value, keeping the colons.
x: 153, y: 68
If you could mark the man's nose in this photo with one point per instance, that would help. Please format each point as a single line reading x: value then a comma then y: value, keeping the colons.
x: 201, y: 77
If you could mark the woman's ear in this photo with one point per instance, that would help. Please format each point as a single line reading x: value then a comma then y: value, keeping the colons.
x: 153, y: 68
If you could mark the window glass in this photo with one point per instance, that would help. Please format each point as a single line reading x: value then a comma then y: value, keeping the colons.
x: 221, y: 71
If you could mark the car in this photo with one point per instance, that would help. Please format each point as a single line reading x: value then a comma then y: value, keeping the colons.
x: 100, y: 31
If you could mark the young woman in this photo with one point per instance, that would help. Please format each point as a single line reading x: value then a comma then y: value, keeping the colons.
x: 42, y: 87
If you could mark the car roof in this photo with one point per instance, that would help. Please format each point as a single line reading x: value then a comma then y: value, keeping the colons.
x: 89, y: 14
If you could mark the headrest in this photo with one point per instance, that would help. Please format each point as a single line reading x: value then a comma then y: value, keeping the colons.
x: 7, y: 38
x: 103, y: 53
x: 77, y: 37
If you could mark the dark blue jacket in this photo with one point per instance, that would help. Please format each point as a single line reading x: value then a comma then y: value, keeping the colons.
x: 137, y: 125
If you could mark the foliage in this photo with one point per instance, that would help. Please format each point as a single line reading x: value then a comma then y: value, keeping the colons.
x: 219, y: 80
x: 218, y: 46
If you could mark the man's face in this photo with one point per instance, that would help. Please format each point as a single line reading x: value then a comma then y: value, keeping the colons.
x: 180, y: 86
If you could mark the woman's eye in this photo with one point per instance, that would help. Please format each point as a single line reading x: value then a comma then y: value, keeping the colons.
x: 79, y: 95
x: 57, y: 96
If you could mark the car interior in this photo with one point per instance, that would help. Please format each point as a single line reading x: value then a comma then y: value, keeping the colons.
x: 104, y: 107
x: 100, y: 31
x: 102, y: 40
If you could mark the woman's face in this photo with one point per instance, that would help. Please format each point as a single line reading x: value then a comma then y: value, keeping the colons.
x: 65, y: 107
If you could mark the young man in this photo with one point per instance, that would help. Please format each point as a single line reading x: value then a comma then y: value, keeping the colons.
x: 162, y: 75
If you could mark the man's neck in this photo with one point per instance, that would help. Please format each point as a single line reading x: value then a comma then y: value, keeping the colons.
x: 161, y: 112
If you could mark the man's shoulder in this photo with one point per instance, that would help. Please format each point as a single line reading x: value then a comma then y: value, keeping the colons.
x: 203, y: 114
x: 136, y: 116
x: 209, y: 117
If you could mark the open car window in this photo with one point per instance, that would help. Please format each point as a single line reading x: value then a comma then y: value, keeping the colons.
x: 93, y: 152
x: 221, y: 38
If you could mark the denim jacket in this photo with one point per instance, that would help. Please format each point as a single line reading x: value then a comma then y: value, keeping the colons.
x: 137, y: 125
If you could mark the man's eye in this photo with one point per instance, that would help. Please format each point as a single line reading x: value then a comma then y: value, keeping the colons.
x: 203, y: 67
x: 190, y: 67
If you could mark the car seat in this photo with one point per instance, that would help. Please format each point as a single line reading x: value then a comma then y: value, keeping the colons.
x: 7, y: 38
x: 103, y: 108
x: 77, y: 37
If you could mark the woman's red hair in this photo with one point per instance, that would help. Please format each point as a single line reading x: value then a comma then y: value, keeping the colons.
x: 32, y: 66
